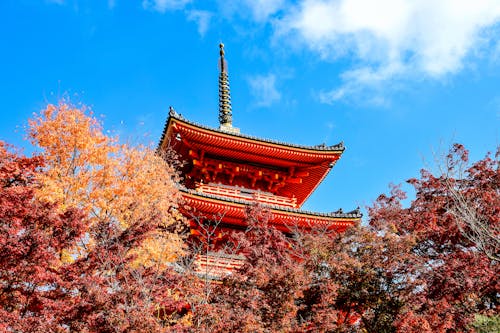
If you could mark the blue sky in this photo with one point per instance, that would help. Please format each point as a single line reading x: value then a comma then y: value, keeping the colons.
x: 397, y: 80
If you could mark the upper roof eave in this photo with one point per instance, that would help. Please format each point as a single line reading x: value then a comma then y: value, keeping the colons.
x: 338, y: 148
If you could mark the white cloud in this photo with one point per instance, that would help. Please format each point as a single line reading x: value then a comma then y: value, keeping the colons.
x: 257, y: 10
x: 202, y: 19
x: 366, y: 84
x: 163, y: 5
x: 392, y: 39
x: 263, y: 88
x: 262, y: 9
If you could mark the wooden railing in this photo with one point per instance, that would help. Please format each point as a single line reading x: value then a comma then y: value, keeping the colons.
x: 246, y: 194
x: 217, y: 265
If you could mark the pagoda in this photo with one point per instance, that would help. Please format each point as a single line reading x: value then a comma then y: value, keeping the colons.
x: 224, y: 171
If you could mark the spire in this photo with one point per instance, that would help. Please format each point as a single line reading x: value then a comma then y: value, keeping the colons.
x: 225, y: 113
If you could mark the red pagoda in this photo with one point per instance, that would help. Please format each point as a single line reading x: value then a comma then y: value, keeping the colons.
x: 224, y: 171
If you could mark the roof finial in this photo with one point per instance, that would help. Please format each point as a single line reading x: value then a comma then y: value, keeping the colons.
x: 225, y: 113
x: 221, y: 52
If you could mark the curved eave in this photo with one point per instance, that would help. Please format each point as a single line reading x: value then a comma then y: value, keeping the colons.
x: 321, y: 150
x: 233, y: 212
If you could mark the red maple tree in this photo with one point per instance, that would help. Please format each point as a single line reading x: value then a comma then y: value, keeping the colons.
x: 259, y: 297
x: 411, y: 269
x: 458, y: 275
x: 32, y: 236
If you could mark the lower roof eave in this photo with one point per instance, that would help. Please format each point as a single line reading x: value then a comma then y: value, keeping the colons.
x: 233, y: 211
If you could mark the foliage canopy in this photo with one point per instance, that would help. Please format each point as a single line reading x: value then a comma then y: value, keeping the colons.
x: 91, y: 241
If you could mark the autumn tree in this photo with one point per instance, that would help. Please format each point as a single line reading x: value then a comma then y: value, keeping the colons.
x: 359, y: 280
x: 311, y: 281
x: 101, y: 291
x: 411, y: 269
x: 89, y: 235
x: 259, y: 297
x: 459, y: 277
x: 32, y: 236
x: 129, y: 197
x: 112, y: 183
x: 475, y: 199
x: 114, y: 294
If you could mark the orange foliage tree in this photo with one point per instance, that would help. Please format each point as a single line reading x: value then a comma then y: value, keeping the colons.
x: 112, y: 183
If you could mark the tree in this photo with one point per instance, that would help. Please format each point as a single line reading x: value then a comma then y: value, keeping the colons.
x: 101, y: 291
x: 475, y: 199
x: 358, y: 280
x: 315, y: 281
x: 113, y: 294
x: 458, y: 278
x: 32, y: 236
x: 259, y: 297
x: 412, y: 269
x: 89, y: 232
x: 113, y: 183
x: 484, y: 324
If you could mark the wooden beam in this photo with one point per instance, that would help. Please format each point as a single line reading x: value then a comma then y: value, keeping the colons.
x: 193, y: 154
x: 294, y: 180
x: 302, y: 174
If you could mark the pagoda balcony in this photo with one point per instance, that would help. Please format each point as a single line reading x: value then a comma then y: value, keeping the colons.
x: 241, y: 193
x: 215, y: 266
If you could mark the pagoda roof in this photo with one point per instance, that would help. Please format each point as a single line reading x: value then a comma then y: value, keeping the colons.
x: 315, y: 161
x: 232, y: 211
x: 174, y: 116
